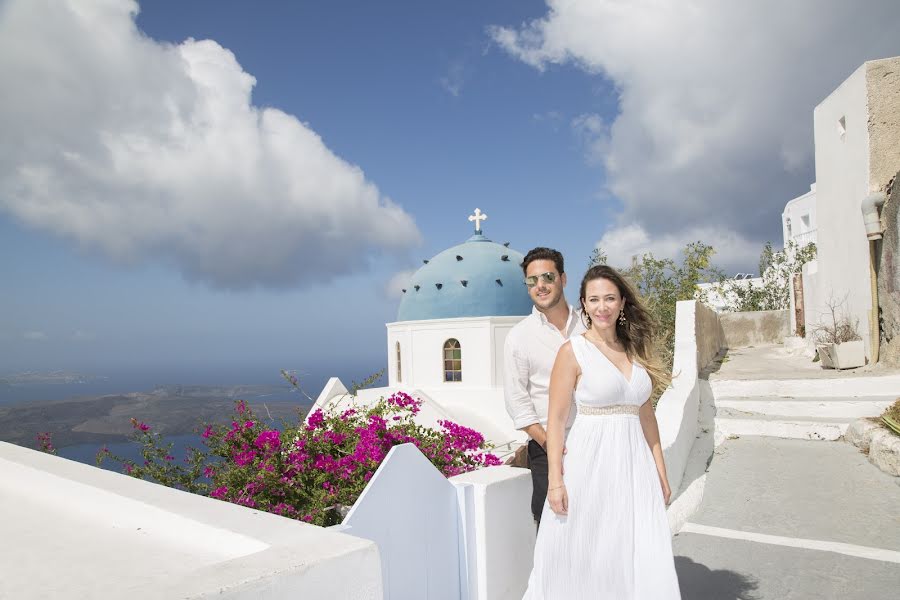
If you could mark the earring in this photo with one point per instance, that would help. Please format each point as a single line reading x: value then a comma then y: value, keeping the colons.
x: 622, y: 319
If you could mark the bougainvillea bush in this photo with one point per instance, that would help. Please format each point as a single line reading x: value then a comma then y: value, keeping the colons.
x: 310, y: 470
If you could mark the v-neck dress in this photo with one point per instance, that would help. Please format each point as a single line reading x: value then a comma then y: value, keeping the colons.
x: 615, y: 542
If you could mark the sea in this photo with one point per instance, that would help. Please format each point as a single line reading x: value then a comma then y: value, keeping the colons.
x: 101, y: 383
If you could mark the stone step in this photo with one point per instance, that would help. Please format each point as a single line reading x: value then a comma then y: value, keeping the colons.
x: 839, y: 407
x: 736, y: 423
x: 850, y: 386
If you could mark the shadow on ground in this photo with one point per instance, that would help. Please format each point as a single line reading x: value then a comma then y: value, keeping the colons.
x: 698, y: 582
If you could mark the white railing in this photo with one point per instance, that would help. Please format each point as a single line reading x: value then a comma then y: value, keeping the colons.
x: 807, y: 237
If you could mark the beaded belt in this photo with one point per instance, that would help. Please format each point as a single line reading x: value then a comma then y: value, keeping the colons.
x: 613, y: 409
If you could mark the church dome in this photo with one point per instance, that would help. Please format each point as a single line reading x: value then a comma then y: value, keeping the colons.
x: 478, y: 278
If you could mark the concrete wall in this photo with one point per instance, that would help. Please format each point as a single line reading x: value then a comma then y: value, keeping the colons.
x: 709, y: 333
x: 410, y: 511
x: 889, y: 279
x: 755, y: 328
x: 499, y: 531
x: 857, y: 144
x: 697, y: 335
x: 421, y: 351
x: 470, y: 537
x: 107, y: 535
x: 883, y: 98
x: 841, y: 132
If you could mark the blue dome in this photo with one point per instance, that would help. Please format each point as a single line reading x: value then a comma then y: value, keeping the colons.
x: 478, y: 278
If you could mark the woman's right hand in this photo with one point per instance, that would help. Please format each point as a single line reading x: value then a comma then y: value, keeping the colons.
x: 559, y: 499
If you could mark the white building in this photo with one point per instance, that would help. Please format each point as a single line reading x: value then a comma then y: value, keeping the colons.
x: 857, y: 152
x: 798, y: 221
x: 446, y: 346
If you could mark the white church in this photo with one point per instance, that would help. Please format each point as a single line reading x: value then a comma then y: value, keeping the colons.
x: 446, y: 346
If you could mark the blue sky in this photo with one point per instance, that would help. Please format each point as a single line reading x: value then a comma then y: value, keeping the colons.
x: 151, y: 215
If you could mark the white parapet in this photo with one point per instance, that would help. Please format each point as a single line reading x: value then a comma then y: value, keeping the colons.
x: 698, y: 340
x: 499, y: 531
x: 72, y: 531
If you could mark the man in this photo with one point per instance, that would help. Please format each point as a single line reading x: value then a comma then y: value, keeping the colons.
x: 528, y: 357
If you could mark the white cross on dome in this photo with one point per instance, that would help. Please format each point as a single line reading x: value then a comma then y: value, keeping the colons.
x: 478, y: 217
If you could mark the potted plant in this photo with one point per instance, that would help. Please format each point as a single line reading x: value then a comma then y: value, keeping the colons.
x: 838, y: 341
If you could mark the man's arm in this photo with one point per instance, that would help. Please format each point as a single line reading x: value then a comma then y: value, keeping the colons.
x: 515, y: 393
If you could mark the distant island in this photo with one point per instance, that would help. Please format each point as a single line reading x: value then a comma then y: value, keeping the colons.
x: 51, y: 377
x: 170, y: 410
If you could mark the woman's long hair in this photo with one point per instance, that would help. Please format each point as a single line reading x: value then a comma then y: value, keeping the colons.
x: 637, y: 333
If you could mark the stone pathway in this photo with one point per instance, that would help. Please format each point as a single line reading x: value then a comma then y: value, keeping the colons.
x: 792, y: 519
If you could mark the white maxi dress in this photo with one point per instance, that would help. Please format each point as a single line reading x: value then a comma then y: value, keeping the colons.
x: 615, y: 542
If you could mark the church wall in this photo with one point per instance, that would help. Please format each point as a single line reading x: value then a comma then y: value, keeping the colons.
x: 422, y: 345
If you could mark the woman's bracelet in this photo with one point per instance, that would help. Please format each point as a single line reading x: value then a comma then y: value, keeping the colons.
x: 556, y: 487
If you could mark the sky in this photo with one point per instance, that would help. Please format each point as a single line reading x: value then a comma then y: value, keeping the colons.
x: 218, y: 184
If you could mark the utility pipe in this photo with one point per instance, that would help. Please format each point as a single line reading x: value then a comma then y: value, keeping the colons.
x: 870, y: 207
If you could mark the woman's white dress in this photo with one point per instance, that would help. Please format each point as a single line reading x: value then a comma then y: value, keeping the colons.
x: 615, y: 542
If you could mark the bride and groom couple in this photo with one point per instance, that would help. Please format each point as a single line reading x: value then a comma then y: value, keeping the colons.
x: 578, y: 382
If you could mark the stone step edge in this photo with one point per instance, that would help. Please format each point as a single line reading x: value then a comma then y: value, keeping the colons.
x: 811, y: 411
x: 786, y: 429
x: 885, y: 385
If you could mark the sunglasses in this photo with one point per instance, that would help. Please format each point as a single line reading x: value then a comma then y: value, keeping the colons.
x: 547, y: 277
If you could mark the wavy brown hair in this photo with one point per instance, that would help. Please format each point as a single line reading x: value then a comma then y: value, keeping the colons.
x: 638, y: 331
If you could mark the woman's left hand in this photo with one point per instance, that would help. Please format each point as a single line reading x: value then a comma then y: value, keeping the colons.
x: 666, y: 490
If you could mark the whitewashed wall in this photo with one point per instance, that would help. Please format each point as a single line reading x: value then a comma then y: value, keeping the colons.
x: 470, y: 537
x: 422, y: 343
x: 698, y: 340
x: 411, y: 512
x: 69, y: 530
x: 801, y: 213
x: 499, y: 531
x: 842, y: 182
x: 857, y: 144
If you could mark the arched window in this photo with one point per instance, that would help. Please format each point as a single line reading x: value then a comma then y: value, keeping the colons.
x: 399, y: 366
x: 452, y: 360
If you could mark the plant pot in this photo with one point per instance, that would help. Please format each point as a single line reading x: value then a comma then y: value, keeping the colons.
x: 846, y: 355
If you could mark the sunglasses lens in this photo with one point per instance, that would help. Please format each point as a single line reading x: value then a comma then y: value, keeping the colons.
x: 549, y: 277
x: 531, y: 281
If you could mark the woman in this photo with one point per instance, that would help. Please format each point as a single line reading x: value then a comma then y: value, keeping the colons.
x: 604, y: 532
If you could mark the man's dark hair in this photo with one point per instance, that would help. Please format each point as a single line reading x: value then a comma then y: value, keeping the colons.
x: 541, y: 253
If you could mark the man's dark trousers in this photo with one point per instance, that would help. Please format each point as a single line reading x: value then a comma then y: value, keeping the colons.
x: 537, y: 462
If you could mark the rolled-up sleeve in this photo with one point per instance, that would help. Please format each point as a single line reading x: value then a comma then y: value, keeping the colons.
x: 515, y: 387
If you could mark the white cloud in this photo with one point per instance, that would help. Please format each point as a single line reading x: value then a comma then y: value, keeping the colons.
x: 35, y: 336
x: 455, y: 78
x: 716, y: 98
x: 593, y: 132
x: 620, y: 244
x: 394, y: 287
x: 153, y: 151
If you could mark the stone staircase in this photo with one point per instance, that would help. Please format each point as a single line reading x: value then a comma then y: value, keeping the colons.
x: 824, y: 418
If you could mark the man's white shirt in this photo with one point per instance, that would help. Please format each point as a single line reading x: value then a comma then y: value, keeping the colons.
x: 528, y: 356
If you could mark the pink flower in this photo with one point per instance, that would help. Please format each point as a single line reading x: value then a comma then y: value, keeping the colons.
x: 141, y: 426
x: 219, y: 492
x: 269, y: 440
x: 207, y: 432
x: 315, y: 420
x: 242, y: 459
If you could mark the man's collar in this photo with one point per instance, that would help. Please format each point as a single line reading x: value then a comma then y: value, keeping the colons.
x: 543, y: 317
